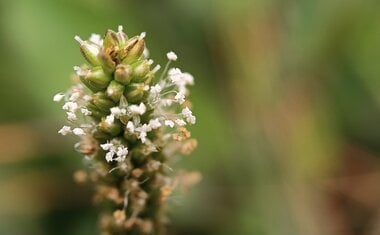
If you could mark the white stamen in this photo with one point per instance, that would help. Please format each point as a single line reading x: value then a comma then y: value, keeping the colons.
x: 156, y: 68
x: 78, y: 39
x: 120, y: 28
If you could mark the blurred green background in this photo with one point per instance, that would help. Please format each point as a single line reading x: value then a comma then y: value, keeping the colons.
x: 287, y: 98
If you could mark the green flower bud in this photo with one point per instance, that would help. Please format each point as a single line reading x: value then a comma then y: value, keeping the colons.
x: 138, y: 156
x: 101, y: 135
x: 95, y: 112
x: 106, y: 61
x: 115, y: 91
x: 135, y: 92
x: 89, y: 51
x: 110, y: 41
x: 140, y: 70
x: 132, y: 50
x: 112, y: 129
x: 123, y: 74
x: 95, y: 79
x: 102, y: 102
x: 130, y: 137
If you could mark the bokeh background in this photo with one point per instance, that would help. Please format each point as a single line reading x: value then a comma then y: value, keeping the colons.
x: 287, y: 97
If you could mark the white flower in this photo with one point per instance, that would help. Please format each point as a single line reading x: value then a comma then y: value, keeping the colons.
x: 156, y: 89
x: 190, y: 118
x: 137, y: 109
x: 117, y: 112
x: 78, y: 131
x: 142, y: 136
x: 58, y: 97
x: 107, y: 146
x: 143, y: 132
x: 122, y: 152
x: 65, y: 130
x: 109, y: 156
x: 180, y: 122
x: 171, y: 56
x: 180, y: 97
x: 169, y: 123
x: 130, y: 127
x: 85, y: 111
x: 175, y: 75
x: 110, y: 119
x: 180, y: 79
x: 71, y: 116
x: 154, y: 123
x: 70, y: 106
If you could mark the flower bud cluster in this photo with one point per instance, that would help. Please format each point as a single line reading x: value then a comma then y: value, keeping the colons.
x: 131, y: 124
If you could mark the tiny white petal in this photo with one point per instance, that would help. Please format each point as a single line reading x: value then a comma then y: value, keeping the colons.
x: 70, y: 106
x: 190, y: 118
x: 180, y: 122
x: 137, y: 109
x: 78, y: 131
x: 110, y: 119
x: 85, y: 111
x: 169, y: 123
x: 106, y: 146
x: 117, y: 112
x: 65, y: 130
x: 58, y: 97
x: 142, y: 136
x: 155, y: 123
x: 156, y: 89
x: 122, y: 151
x: 71, y: 116
x: 171, y: 56
x: 109, y: 156
x: 180, y: 97
x: 130, y: 127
